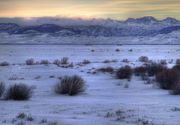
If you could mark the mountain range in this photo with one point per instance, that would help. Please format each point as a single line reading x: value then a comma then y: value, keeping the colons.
x: 144, y: 26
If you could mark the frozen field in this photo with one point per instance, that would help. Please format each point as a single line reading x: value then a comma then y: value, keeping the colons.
x: 105, y: 102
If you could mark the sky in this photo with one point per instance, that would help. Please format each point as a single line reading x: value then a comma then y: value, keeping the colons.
x: 115, y: 9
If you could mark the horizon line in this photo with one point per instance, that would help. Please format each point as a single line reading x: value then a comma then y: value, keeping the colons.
x: 84, y: 18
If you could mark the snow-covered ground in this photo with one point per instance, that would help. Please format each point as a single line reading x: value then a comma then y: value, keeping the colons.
x: 105, y: 102
x: 161, y: 39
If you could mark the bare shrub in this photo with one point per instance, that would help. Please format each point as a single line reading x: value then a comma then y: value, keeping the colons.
x: 44, y: 61
x: 21, y: 115
x: 106, y: 69
x: 37, y: 77
x: 130, y: 50
x: 2, y: 88
x: 86, y: 61
x: 71, y: 85
x: 117, y: 50
x: 29, y: 118
x: 64, y: 60
x: 176, y: 67
x: 43, y: 121
x: 92, y: 50
x: 124, y: 73
x: 4, y: 64
x: 18, y: 92
x: 125, y: 60
x: 106, y: 61
x: 143, y: 59
x: 168, y: 79
x: 178, y: 62
x: 163, y: 62
x: 155, y: 68
x: 57, y: 62
x: 15, y: 77
x: 30, y: 61
x: 141, y: 70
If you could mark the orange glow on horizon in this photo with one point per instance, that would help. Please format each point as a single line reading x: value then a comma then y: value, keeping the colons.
x: 115, y: 9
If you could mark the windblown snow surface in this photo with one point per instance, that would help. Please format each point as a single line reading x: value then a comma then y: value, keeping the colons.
x: 106, y: 100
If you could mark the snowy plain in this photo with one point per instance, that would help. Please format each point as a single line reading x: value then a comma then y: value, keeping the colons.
x: 105, y: 102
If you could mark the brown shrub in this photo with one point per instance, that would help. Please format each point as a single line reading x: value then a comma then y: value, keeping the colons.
x: 106, y: 69
x: 64, y: 60
x: 86, y: 61
x: 57, y: 62
x: 124, y: 73
x: 168, y: 79
x: 4, y: 63
x: 30, y: 61
x: 2, y: 88
x: 125, y: 60
x: 71, y: 85
x: 178, y: 62
x: 143, y: 59
x: 18, y: 92
x: 163, y: 62
x: 44, y: 61
x: 155, y: 68
x: 141, y: 70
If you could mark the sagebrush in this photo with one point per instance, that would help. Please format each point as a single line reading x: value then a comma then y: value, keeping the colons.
x: 71, y: 85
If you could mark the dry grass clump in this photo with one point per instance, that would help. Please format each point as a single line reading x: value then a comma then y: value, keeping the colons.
x: 4, y: 63
x: 30, y: 61
x: 71, y: 85
x: 124, y: 73
x: 18, y: 92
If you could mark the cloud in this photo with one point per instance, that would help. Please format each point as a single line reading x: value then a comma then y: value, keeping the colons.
x: 117, y: 9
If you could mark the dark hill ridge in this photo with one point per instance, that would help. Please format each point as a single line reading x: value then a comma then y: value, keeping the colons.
x: 145, y: 26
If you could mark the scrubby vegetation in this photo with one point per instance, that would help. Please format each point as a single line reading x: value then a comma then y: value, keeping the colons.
x: 155, y: 68
x: 106, y: 69
x: 163, y: 62
x: 178, y: 62
x: 18, y: 92
x: 4, y: 63
x: 86, y: 61
x: 139, y: 71
x: 71, y: 85
x: 143, y: 59
x: 57, y: 62
x: 64, y: 60
x: 124, y: 72
x: 30, y: 61
x: 2, y: 88
x: 44, y: 61
x: 169, y: 79
x: 125, y: 60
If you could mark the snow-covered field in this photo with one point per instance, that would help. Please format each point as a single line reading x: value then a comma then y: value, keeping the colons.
x: 106, y: 101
